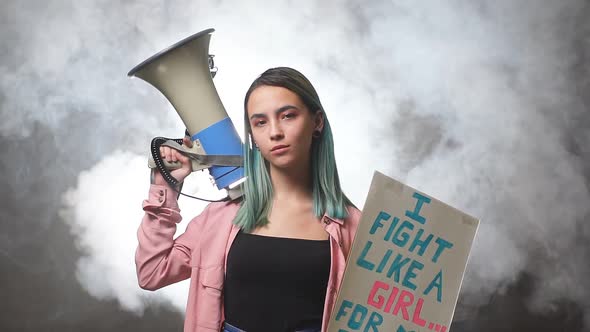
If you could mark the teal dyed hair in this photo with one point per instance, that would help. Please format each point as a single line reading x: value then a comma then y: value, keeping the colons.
x: 328, y: 197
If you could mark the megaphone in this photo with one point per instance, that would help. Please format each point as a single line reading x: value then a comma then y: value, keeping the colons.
x: 183, y: 73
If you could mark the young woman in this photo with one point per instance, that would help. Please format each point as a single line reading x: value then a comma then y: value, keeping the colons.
x: 275, y: 260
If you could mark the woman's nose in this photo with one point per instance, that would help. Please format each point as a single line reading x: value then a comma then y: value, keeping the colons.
x: 276, y: 132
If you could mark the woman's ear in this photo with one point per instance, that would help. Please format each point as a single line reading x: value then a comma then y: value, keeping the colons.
x: 318, y: 120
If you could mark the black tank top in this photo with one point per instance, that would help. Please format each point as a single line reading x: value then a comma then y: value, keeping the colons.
x: 276, y: 284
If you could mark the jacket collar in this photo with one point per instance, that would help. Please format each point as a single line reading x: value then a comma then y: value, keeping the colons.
x: 327, y: 220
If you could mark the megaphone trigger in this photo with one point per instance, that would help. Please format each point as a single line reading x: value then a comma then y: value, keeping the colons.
x: 202, y: 160
x: 193, y: 153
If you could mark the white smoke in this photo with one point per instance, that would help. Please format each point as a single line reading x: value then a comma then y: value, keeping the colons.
x: 104, y: 216
x: 471, y: 102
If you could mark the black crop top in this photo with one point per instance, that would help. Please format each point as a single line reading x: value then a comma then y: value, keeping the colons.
x: 276, y: 284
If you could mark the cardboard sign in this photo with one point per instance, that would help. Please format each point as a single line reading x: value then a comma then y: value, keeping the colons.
x: 406, y: 265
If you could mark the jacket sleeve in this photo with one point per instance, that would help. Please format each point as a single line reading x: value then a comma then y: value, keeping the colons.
x: 160, y: 259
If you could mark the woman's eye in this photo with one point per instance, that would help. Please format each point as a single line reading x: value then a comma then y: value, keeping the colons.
x: 288, y: 115
x: 259, y: 123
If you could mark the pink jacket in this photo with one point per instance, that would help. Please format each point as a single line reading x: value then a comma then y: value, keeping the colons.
x: 201, y: 252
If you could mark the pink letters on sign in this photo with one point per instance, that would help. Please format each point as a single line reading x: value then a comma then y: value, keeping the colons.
x: 403, y: 303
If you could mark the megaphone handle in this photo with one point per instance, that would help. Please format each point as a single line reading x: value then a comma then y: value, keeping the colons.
x: 162, y: 165
x: 164, y: 168
x: 169, y: 165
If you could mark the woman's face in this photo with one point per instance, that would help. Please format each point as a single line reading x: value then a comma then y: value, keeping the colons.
x: 282, y: 126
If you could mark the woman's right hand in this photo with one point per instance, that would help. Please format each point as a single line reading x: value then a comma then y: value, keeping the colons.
x: 173, y: 155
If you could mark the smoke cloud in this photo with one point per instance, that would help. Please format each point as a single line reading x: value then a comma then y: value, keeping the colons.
x: 482, y: 105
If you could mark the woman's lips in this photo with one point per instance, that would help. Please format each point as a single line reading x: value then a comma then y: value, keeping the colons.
x: 279, y: 149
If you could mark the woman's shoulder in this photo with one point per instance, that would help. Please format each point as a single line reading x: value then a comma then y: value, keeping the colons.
x: 227, y: 207
x: 216, y: 214
x: 353, y: 213
x: 353, y: 218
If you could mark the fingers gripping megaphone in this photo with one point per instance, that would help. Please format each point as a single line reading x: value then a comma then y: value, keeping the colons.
x: 183, y: 73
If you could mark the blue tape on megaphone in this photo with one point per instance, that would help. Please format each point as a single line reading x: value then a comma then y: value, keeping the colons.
x: 221, y: 138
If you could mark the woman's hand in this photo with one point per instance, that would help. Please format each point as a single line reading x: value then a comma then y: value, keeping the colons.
x: 173, y: 155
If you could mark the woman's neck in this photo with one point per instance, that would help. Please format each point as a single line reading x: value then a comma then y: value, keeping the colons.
x: 291, y: 184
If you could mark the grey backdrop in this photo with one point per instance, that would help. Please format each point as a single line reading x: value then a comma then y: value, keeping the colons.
x: 482, y: 104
